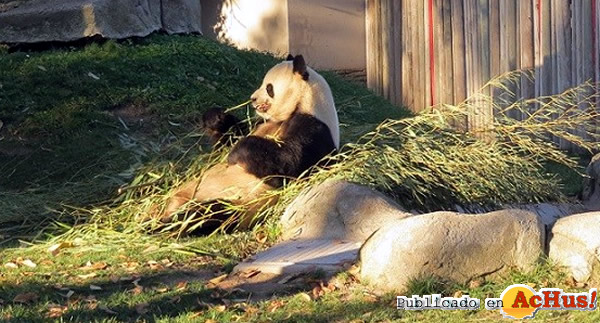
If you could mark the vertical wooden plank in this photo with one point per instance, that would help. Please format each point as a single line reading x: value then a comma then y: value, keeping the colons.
x: 547, y: 56
x: 494, y: 30
x: 562, y: 33
x: 458, y: 51
x: 426, y: 55
x: 508, y: 41
x: 487, y: 116
x: 575, y: 31
x: 438, y: 32
x: 386, y: 46
x: 576, y: 37
x: 473, y: 60
x: 527, y: 50
x: 584, y: 43
x: 469, y: 28
x: 372, y: 43
x: 408, y: 64
x: 418, y: 55
x: 448, y: 78
x: 537, y: 47
x: 397, y: 50
x: 370, y: 25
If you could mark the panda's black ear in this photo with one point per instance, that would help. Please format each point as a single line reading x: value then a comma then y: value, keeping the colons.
x: 300, y: 67
x: 290, y: 57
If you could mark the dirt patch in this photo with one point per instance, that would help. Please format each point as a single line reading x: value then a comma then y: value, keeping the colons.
x: 130, y: 112
x: 260, y: 286
x: 135, y: 116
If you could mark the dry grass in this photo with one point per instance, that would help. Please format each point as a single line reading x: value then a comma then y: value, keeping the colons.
x: 422, y: 161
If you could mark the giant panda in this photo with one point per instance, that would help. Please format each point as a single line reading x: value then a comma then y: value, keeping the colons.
x: 300, y: 128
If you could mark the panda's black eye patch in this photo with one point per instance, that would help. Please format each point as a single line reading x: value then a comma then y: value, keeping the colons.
x: 270, y: 90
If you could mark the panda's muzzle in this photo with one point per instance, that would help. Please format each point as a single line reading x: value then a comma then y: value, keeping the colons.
x: 263, y: 107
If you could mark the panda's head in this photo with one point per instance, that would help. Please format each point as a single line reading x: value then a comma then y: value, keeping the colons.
x: 291, y: 87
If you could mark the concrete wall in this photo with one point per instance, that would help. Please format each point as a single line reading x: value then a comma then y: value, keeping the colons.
x: 329, y: 33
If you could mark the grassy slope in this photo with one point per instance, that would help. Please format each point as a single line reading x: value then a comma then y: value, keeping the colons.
x: 60, y: 108
x: 61, y: 146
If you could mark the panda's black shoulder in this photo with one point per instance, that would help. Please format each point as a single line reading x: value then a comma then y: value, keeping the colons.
x: 309, y: 139
x: 306, y: 126
x: 304, y: 142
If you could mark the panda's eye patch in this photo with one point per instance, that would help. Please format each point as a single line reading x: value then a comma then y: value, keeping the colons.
x: 270, y: 90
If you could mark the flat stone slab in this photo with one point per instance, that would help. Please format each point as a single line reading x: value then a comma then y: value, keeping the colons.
x: 34, y: 21
x: 300, y: 256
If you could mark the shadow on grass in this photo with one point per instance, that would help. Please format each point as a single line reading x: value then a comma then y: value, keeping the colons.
x: 164, y: 296
x: 161, y: 295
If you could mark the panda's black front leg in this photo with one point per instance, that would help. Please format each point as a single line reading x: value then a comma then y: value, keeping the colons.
x: 222, y: 127
x: 264, y: 158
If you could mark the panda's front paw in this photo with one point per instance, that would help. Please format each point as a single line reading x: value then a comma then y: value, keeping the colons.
x: 220, y: 126
x: 215, y: 119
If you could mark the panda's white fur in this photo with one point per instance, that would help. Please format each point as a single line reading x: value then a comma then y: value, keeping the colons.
x: 312, y: 97
x: 307, y: 94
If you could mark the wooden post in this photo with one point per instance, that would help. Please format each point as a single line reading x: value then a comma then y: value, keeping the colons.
x: 458, y: 52
x: 447, y: 56
x: 562, y: 52
x: 387, y: 63
x: 408, y: 62
x: 397, y: 50
x: 373, y: 42
x: 486, y: 112
x: 419, y: 56
x: 438, y: 32
x: 425, y: 50
x: 508, y: 42
x: 527, y: 50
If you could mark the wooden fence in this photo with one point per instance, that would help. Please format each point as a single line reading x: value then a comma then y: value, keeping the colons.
x: 425, y: 52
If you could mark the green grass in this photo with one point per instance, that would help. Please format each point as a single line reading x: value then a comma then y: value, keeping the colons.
x: 180, y: 293
x: 72, y: 138
x: 79, y: 123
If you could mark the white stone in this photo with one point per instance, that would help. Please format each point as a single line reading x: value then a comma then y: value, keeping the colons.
x: 575, y: 244
x: 338, y: 210
x: 301, y: 256
x: 451, y: 246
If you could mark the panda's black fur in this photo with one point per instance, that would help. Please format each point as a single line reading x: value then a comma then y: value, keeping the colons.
x: 304, y: 140
x: 222, y: 127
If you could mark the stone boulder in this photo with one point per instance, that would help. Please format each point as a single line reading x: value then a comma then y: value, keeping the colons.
x: 181, y: 16
x: 451, y: 246
x: 575, y: 244
x: 338, y: 210
x: 33, y: 21
x: 591, y: 185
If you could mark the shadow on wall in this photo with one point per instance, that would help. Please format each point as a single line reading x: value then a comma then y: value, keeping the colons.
x: 247, y: 24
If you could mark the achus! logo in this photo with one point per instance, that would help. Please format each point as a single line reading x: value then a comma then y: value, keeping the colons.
x: 522, y: 302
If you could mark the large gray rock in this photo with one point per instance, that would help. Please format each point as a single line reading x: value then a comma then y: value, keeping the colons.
x: 33, y: 21
x: 575, y: 243
x: 451, y: 246
x: 591, y: 185
x: 338, y: 210
x: 181, y: 16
